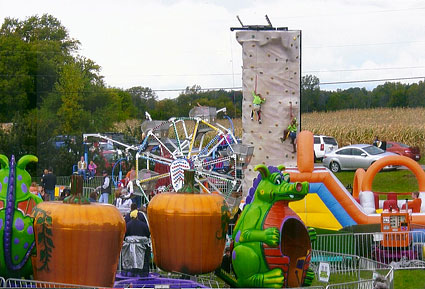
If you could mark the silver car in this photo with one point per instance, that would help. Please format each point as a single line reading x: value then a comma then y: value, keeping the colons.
x: 353, y: 157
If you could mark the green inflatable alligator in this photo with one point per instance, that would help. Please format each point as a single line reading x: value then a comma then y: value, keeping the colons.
x: 16, y: 225
x: 271, y: 245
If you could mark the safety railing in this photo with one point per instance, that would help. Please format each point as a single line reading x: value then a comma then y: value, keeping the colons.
x: 88, y: 182
x: 21, y: 283
x: 400, y: 249
x: 2, y: 282
x: 346, y: 269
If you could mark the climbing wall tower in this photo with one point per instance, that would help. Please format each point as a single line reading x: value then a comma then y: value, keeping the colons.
x: 271, y: 67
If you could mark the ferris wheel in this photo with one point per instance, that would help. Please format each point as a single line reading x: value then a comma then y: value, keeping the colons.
x: 196, y: 142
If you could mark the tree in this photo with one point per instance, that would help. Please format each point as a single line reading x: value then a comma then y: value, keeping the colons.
x: 70, y: 88
x: 310, y: 93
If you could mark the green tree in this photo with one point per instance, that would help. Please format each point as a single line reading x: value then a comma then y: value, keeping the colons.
x: 310, y: 93
x: 70, y: 87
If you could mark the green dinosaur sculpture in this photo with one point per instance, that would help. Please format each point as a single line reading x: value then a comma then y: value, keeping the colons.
x: 16, y: 225
x: 260, y: 256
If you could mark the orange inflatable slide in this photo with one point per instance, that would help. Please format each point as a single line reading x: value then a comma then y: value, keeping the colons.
x: 329, y: 205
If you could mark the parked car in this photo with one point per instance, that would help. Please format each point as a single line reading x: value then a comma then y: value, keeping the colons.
x: 323, y: 144
x: 404, y: 150
x: 353, y: 157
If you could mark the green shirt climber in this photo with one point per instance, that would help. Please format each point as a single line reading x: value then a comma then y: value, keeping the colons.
x: 256, y: 105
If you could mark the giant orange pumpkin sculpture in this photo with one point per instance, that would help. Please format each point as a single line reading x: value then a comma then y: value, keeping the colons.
x: 77, y: 242
x: 188, y: 229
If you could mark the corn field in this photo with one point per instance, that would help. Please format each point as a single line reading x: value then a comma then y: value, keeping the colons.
x: 406, y: 125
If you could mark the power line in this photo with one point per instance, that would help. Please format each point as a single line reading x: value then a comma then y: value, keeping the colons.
x: 364, y: 69
x: 364, y: 44
x: 371, y: 80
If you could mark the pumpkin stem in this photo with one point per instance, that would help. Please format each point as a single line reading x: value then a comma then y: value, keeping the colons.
x: 76, y: 196
x: 189, y: 183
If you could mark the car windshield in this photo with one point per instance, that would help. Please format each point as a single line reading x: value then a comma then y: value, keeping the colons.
x: 373, y: 150
x: 330, y: 140
x: 403, y: 145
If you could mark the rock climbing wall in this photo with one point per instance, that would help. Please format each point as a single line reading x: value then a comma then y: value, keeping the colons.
x: 272, y: 67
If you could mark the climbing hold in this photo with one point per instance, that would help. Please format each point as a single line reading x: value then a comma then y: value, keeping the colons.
x: 261, y: 72
x: 252, y: 66
x: 252, y: 78
x: 267, y: 157
x: 253, y: 36
x: 250, y: 55
x: 267, y: 92
x: 277, y: 59
x: 295, y: 38
x: 272, y: 78
x: 260, y: 148
x: 268, y: 55
x: 253, y: 45
x: 276, y: 124
x: 270, y: 131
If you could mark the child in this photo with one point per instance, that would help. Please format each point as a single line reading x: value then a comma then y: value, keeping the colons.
x: 291, y: 131
x: 34, y: 188
x: 256, y: 105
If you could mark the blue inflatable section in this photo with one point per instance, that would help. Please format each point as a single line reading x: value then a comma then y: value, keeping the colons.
x: 332, y: 204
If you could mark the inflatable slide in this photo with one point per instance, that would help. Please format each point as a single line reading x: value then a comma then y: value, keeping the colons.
x: 329, y: 205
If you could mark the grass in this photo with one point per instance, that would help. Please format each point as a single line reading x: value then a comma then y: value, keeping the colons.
x: 406, y: 279
x: 399, y: 181
x: 409, y: 279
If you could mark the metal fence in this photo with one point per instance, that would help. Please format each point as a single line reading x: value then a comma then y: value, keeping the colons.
x: 2, y: 282
x: 351, y: 271
x: 21, y: 283
x: 400, y: 249
x: 92, y: 182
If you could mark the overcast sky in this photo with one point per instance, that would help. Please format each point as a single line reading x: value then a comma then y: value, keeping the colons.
x: 172, y: 44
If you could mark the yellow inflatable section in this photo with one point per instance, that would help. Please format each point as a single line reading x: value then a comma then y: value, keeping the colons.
x: 314, y: 213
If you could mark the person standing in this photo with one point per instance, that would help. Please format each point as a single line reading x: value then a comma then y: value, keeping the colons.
x: 42, y: 182
x: 136, y: 251
x: 130, y: 178
x: 50, y: 184
x: 105, y: 189
x: 226, y: 262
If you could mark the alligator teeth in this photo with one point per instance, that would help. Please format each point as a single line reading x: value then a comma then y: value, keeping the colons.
x: 291, y: 196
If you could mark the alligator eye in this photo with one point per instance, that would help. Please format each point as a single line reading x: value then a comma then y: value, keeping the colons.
x: 278, y: 181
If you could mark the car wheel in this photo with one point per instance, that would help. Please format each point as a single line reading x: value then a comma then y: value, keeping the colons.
x: 334, y: 167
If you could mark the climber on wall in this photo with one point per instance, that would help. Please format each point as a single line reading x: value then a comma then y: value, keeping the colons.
x: 256, y: 105
x: 291, y: 131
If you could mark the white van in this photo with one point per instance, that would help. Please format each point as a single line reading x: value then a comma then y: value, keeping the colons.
x: 323, y: 144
